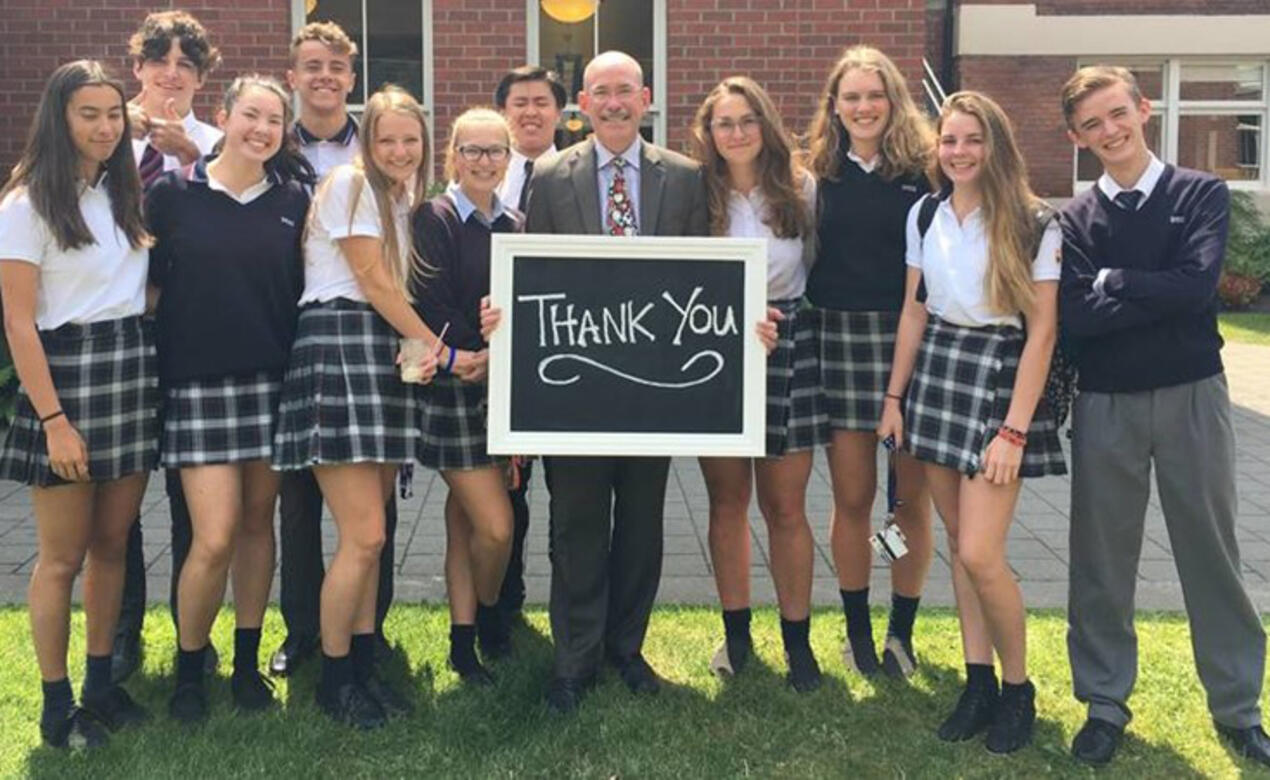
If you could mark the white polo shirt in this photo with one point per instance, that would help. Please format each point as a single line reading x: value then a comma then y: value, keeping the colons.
x: 202, y: 134
x: 953, y: 258
x: 105, y: 280
x: 327, y: 275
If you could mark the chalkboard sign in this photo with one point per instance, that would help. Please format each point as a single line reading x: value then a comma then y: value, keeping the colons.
x: 627, y: 346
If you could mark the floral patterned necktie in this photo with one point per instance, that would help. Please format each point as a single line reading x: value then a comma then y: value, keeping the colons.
x: 619, y: 210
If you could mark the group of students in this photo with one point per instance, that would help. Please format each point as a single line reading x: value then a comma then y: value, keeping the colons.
x: 915, y: 285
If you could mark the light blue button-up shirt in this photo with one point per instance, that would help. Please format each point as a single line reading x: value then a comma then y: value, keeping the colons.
x: 604, y: 178
x: 467, y: 208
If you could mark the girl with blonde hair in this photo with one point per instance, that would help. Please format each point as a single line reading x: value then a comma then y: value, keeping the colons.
x: 755, y: 189
x: 345, y: 410
x: 870, y: 148
x: 452, y: 235
x: 965, y: 395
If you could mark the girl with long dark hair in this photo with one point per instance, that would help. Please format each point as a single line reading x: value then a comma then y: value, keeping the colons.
x: 228, y: 266
x: 73, y: 261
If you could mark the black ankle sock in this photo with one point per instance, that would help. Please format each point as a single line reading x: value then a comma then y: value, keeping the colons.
x: 463, y: 648
x: 58, y: 701
x: 336, y: 671
x: 489, y: 621
x: 246, y: 650
x: 362, y: 653
x: 736, y: 623
x: 981, y: 673
x: 795, y: 634
x: 855, y: 607
x: 1010, y: 690
x: 96, y: 675
x: 189, y: 666
x: 903, y: 613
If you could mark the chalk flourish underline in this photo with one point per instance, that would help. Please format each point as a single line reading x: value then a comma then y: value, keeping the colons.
x: 708, y: 354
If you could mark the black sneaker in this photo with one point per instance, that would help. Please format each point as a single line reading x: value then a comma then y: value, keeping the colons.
x: 188, y: 704
x: 394, y: 703
x: 114, y: 708
x: 804, y: 673
x: 253, y: 692
x: 77, y: 731
x: 351, y: 705
x: 862, y: 660
x: 974, y: 712
x: 898, y: 659
x: 1012, y: 726
x: 732, y: 656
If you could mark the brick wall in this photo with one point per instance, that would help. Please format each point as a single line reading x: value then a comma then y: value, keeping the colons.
x: 1094, y: 7
x: 38, y: 35
x: 1027, y: 88
x: 785, y: 45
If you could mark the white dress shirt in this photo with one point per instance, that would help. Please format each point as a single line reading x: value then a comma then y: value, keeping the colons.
x: 202, y: 134
x: 509, y: 191
x: 786, y: 270
x: 953, y: 258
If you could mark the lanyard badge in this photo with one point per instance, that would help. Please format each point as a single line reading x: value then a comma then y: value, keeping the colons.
x: 889, y: 543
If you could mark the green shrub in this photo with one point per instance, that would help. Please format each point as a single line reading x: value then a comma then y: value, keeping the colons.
x: 1248, y: 245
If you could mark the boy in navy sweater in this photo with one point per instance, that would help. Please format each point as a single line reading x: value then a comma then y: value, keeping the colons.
x: 1142, y: 252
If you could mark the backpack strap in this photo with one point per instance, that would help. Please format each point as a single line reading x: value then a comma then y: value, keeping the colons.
x: 925, y: 216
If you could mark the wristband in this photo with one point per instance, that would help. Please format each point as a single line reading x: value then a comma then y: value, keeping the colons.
x: 899, y: 398
x: 1013, y: 435
x: 53, y: 416
x: 449, y: 364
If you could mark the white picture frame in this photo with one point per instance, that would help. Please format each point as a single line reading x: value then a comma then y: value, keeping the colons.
x: 506, y: 248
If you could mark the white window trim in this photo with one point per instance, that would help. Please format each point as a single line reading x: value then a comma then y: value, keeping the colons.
x: 1170, y: 108
x: 657, y: 109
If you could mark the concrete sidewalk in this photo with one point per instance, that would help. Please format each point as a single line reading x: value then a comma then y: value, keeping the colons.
x: 1038, y: 540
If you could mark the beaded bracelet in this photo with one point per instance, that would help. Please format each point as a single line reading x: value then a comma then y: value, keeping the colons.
x: 1013, y: 435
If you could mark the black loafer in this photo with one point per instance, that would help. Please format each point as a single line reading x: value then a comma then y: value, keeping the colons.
x: 637, y: 674
x: 125, y: 657
x: 1250, y: 742
x: 1012, y: 724
x: 564, y: 695
x: 804, y: 672
x: 114, y: 708
x: 188, y: 704
x: 291, y: 654
x: 395, y: 703
x: 351, y: 705
x: 252, y: 691
x: 1097, y: 741
x: 79, y: 730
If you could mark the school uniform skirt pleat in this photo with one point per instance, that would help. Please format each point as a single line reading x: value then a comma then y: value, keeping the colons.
x: 794, y: 419
x: 106, y: 377
x: 960, y: 394
x: 343, y: 400
x: 856, y: 349
x: 452, y: 418
x: 224, y: 419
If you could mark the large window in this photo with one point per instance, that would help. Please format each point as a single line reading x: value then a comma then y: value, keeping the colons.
x: 637, y: 27
x: 1207, y: 114
x: 390, y: 37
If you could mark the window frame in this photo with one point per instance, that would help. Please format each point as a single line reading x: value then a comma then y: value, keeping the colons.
x: 1171, y: 108
x: 657, y: 108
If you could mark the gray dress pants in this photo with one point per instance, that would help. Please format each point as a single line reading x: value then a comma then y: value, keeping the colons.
x: 1185, y: 432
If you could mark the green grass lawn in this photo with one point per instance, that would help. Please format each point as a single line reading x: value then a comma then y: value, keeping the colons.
x: 1245, y: 327
x: 697, y: 727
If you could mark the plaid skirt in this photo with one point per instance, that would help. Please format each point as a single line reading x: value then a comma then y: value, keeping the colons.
x: 794, y: 420
x: 960, y: 394
x: 452, y: 424
x: 343, y: 400
x: 107, y: 382
x: 224, y: 419
x: 856, y: 348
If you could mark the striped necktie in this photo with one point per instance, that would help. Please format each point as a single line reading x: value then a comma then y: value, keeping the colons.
x: 150, y: 167
x: 523, y: 200
x: 1128, y: 199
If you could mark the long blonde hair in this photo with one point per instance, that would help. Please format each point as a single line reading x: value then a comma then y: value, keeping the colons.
x: 1010, y: 209
x: 400, y: 261
x: 907, y: 142
x: 780, y: 178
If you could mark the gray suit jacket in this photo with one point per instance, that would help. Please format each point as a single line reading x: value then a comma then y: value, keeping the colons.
x: 564, y: 197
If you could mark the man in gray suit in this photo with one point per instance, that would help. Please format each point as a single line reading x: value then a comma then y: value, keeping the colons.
x: 606, y: 512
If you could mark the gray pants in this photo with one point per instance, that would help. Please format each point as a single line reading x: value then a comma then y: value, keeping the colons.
x: 1186, y: 432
